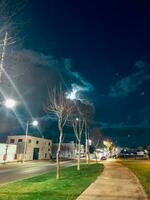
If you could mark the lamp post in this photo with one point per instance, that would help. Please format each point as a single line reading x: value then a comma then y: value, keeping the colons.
x: 34, y: 123
x: 10, y: 104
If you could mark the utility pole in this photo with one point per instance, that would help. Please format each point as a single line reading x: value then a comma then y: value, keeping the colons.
x: 86, y: 143
x: 25, y: 142
x: 3, y: 55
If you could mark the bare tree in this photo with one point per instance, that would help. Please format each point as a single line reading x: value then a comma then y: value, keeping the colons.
x: 88, y: 117
x: 58, y: 104
x: 97, y: 140
x: 78, y: 126
x: 78, y: 122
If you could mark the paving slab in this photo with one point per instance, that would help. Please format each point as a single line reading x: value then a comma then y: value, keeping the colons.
x: 116, y: 182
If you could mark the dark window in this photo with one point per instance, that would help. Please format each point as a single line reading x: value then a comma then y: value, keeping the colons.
x: 29, y: 141
x: 45, y: 155
x: 48, y: 149
x: 19, y: 140
x: 49, y: 143
x: 37, y: 142
x: 12, y: 140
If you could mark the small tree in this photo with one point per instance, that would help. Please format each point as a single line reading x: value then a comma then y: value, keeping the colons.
x: 78, y: 126
x: 97, y: 141
x: 79, y: 119
x: 88, y: 117
x: 61, y: 107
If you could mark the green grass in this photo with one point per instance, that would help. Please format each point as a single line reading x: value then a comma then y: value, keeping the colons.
x: 46, y: 187
x: 142, y: 170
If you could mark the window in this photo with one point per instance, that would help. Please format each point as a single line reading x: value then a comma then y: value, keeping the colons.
x: 37, y: 142
x: 48, y: 149
x: 19, y: 140
x: 49, y: 143
x: 45, y: 155
x: 29, y: 141
x: 12, y: 140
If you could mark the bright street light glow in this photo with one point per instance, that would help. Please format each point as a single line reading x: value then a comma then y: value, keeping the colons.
x: 10, y: 103
x: 35, y: 123
x: 90, y: 142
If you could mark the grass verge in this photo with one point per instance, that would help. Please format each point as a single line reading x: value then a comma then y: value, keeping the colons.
x: 46, y: 187
x: 142, y: 170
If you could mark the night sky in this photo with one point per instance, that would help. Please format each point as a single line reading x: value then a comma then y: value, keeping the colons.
x: 106, y: 48
x: 109, y: 45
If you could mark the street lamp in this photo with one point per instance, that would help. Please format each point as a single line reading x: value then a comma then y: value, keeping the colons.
x: 10, y: 103
x: 77, y: 119
x: 33, y: 123
x: 90, y: 142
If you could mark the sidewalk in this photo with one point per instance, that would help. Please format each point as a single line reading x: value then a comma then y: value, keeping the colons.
x: 115, y: 183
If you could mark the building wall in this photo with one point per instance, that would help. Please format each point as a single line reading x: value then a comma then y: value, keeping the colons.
x: 7, y: 152
x: 44, y: 146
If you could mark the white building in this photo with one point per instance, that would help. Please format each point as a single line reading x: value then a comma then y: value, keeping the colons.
x: 7, y: 152
x: 68, y: 150
x: 31, y: 148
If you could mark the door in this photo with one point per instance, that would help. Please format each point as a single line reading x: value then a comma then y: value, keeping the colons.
x: 36, y: 154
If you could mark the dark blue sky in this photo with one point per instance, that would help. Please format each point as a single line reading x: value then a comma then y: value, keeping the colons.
x: 109, y: 45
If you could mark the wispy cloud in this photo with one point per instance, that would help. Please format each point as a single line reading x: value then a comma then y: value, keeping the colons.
x: 78, y: 83
x: 145, y: 123
x: 130, y: 84
x: 35, y: 70
x: 33, y: 73
x: 112, y: 125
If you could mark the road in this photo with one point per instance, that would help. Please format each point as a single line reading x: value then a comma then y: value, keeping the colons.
x: 16, y: 171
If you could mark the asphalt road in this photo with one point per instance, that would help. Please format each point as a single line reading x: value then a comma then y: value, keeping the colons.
x: 16, y: 171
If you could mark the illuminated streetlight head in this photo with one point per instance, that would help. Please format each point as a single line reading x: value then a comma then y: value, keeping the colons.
x: 77, y: 119
x: 90, y: 142
x: 35, y: 123
x: 10, y: 103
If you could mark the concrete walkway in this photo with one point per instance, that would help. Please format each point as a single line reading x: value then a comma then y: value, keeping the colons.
x: 115, y: 183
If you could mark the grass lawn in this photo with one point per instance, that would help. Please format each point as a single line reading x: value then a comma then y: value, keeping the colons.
x: 46, y: 187
x: 142, y: 170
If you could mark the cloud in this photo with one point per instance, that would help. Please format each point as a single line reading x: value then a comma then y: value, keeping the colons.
x: 112, y: 125
x: 33, y: 69
x: 144, y: 114
x: 77, y: 81
x: 131, y: 83
x: 144, y: 123
x: 30, y: 74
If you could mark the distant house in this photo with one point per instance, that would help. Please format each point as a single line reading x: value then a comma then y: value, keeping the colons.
x: 31, y: 148
x: 7, y: 152
x: 68, y: 150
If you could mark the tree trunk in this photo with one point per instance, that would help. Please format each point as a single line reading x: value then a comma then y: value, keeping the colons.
x: 88, y: 156
x: 87, y: 150
x: 79, y: 151
x: 86, y: 145
x: 95, y: 156
x: 58, y: 154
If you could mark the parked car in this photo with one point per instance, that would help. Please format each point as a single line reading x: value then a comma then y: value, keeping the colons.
x: 103, y: 158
